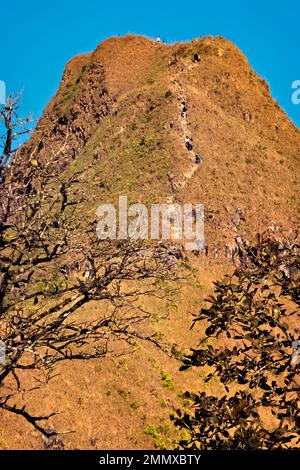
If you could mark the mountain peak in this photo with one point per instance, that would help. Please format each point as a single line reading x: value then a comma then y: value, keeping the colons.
x: 126, y: 109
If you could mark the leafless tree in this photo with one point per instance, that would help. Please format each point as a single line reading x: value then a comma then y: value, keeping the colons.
x: 52, y: 266
x: 14, y: 126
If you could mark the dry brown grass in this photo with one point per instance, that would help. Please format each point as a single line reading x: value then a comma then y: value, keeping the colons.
x: 251, y: 163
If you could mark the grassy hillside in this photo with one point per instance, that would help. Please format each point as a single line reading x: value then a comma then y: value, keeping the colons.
x: 119, y: 115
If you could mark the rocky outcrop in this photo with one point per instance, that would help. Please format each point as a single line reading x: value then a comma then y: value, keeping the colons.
x: 71, y: 117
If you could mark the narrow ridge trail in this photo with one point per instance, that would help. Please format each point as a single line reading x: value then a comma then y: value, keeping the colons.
x: 185, y: 131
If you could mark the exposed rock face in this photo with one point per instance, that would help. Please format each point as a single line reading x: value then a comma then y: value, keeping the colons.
x: 73, y: 114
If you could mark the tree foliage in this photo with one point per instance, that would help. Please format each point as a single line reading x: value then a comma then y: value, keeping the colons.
x: 250, y: 349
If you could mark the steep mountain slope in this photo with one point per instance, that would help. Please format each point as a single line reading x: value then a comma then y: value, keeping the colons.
x: 121, y: 113
x: 125, y: 109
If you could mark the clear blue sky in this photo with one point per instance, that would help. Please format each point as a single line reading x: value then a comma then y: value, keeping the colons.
x: 38, y: 38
